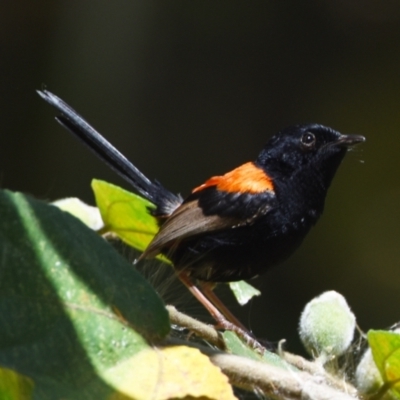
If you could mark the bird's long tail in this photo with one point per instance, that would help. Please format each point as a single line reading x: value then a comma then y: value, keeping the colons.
x: 166, y: 202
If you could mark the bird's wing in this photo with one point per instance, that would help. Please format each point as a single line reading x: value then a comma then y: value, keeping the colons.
x: 188, y: 220
x: 229, y: 201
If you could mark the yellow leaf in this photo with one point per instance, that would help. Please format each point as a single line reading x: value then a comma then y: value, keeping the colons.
x: 171, y: 372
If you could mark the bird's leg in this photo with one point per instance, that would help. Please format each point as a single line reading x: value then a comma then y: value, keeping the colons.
x: 207, y: 289
x: 222, y: 320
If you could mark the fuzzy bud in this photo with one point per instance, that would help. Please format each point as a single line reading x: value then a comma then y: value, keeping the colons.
x: 327, y: 326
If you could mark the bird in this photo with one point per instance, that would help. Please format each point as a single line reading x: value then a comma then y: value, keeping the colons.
x: 237, y: 225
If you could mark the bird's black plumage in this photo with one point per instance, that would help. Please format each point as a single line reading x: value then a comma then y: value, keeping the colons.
x: 267, y: 225
x: 234, y: 226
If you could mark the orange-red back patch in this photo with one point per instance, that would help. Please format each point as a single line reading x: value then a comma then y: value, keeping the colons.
x: 248, y: 178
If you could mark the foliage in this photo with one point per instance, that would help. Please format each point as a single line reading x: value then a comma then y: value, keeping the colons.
x: 79, y: 322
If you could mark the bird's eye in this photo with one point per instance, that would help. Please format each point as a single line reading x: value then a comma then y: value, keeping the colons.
x: 308, y: 140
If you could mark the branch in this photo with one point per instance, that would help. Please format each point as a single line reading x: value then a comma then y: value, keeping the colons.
x: 274, y: 381
x: 316, y: 369
x: 206, y: 332
x: 312, y: 382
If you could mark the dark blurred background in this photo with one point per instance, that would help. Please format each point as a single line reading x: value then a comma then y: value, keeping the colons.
x: 190, y: 89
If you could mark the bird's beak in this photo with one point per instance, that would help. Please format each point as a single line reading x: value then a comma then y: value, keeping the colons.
x: 349, y: 140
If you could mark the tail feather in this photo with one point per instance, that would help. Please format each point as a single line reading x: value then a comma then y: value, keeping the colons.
x: 165, y: 201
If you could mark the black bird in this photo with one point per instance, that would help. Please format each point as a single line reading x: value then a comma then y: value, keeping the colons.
x: 234, y: 226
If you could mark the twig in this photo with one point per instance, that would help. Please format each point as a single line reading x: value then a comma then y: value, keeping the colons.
x: 206, y: 332
x: 316, y: 369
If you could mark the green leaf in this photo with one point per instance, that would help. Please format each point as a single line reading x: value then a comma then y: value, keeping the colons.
x: 385, y: 348
x: 70, y: 307
x: 243, y: 291
x: 14, y: 386
x: 125, y: 214
x: 236, y: 346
